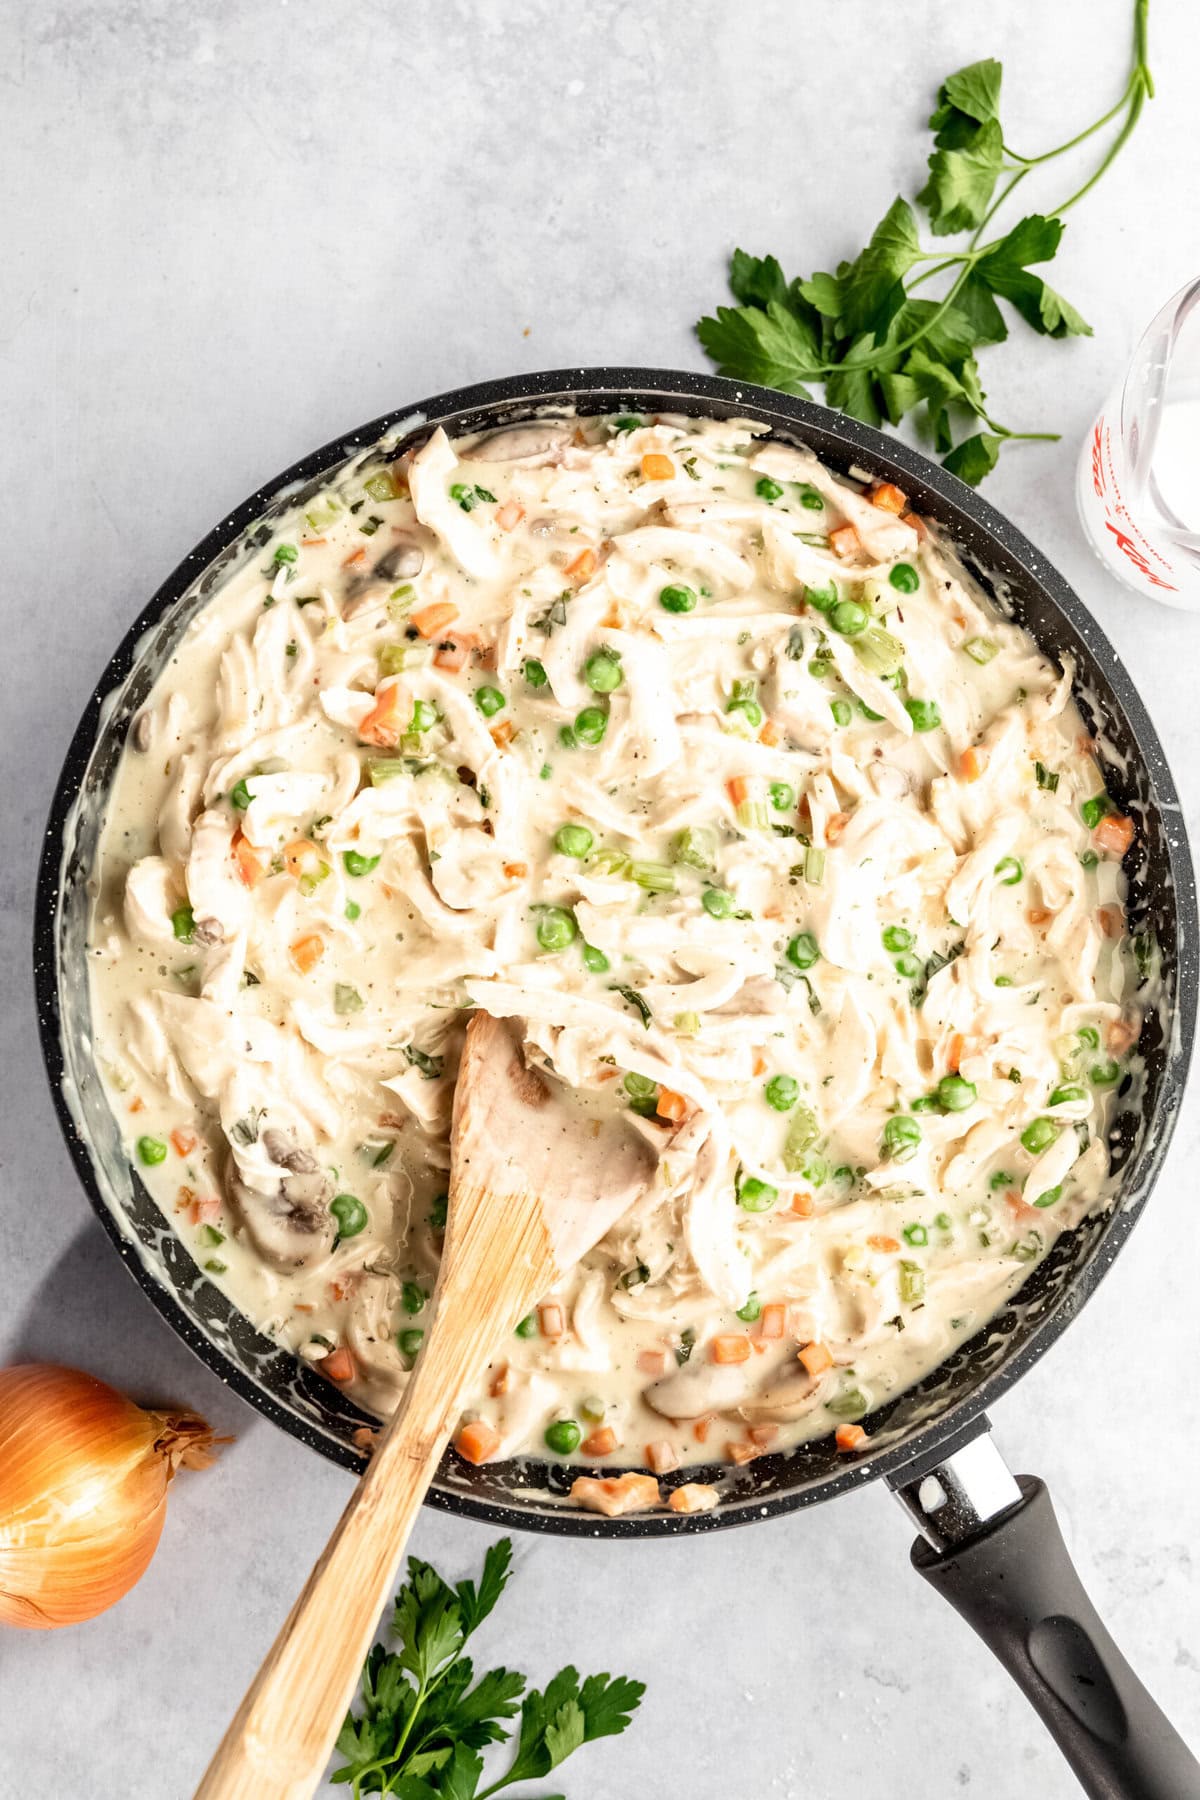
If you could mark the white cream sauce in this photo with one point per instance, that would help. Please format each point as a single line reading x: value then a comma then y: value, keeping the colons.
x: 823, y: 908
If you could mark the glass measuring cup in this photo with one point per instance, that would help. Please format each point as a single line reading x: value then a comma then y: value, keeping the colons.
x: 1138, y: 481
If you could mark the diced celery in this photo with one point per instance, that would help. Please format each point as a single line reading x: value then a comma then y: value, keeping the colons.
x: 606, y: 861
x: 751, y: 815
x: 655, y: 877
x: 385, y: 768
x: 980, y: 649
x: 323, y: 511
x: 687, y: 1023
x: 878, y: 651
x: 696, y: 846
x: 399, y: 601
x: 381, y: 486
x: 814, y: 866
x: 801, y: 1134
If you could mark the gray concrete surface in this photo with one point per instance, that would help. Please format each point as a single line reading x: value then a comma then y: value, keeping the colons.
x: 231, y: 230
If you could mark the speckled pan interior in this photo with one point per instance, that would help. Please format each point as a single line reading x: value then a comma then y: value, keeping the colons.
x: 529, y: 1494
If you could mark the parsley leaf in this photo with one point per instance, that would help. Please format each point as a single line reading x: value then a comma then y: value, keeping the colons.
x: 880, y: 348
x: 424, y: 1721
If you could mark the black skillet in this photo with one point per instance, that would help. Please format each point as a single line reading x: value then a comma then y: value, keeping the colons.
x: 990, y: 1544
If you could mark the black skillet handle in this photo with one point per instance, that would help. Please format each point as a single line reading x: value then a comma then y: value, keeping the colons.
x: 1008, y: 1574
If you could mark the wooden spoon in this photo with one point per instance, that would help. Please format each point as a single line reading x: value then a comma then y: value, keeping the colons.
x: 535, y: 1181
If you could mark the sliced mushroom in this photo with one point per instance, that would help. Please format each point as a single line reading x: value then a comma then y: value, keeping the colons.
x: 405, y: 559
x: 540, y: 442
x: 795, y: 1394
x: 701, y: 1387
x: 290, y: 1227
x: 143, y: 727
x: 208, y: 931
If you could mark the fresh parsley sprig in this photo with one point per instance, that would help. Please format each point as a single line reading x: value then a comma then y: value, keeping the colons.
x: 880, y: 349
x: 424, y: 1721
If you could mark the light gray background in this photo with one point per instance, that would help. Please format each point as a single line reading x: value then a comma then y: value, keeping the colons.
x: 231, y: 230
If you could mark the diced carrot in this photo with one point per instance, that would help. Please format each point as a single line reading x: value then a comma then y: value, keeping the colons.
x: 306, y: 952
x: 312, y: 543
x: 772, y: 1320
x: 652, y: 1363
x: 477, y: 1442
x: 453, y: 652
x: 887, y: 495
x: 671, y: 1105
x: 1114, y: 833
x: 355, y: 556
x: 835, y: 825
x: 702, y: 1427
x: 249, y: 867
x: 1039, y: 915
x: 762, y: 1435
x: 304, y: 1306
x: 1022, y: 1212
x: 516, y: 871
x: 887, y: 1244
x: 729, y: 1347
x: 758, y: 1347
x: 657, y: 468
x: 954, y: 1054
x: 600, y: 1443
x: 1111, y: 921
x: 137, y: 1104
x: 185, y: 1200
x: 802, y: 1205
x: 183, y: 1142
x: 1121, y: 1036
x: 738, y: 1452
x: 816, y: 1358
x: 738, y: 789
x: 338, y: 1365
x: 693, y: 1497
x: 383, y: 724
x: 432, y: 621
x: 970, y: 764
x: 915, y: 521
x: 503, y: 733
x: 499, y: 1382
x: 364, y: 1438
x: 551, y: 1319
x: 616, y: 1494
x: 769, y: 734
x: 661, y: 1456
x: 583, y: 566
x: 845, y: 541
x: 759, y: 1065
x: 849, y: 1437
x: 207, y: 1209
x: 509, y: 516
x: 301, y: 857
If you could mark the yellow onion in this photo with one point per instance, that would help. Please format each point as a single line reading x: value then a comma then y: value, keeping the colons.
x: 83, y: 1491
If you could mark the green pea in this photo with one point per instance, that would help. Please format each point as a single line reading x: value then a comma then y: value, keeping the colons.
x: 563, y: 1436
x: 1039, y: 1135
x: 151, y: 1150
x: 357, y: 864
x: 240, y: 796
x: 803, y: 950
x: 640, y: 1087
x: 591, y: 725
x: 925, y: 1103
x: 1050, y: 1197
x: 1092, y: 811
x: 410, y: 1341
x: 677, y: 599
x: 767, y: 490
x: 350, y: 1213
x: 925, y: 714
x: 528, y: 1326
x: 489, y: 700
x: 867, y: 713
x: 1009, y: 870
x: 782, y: 1092
x: 810, y: 498
x: 1088, y: 1035
x: 955, y: 1094
x: 896, y: 937
x: 751, y: 1310
x: 595, y: 960
x: 901, y: 1136
x: 1062, y: 1096
x: 603, y: 672
x: 904, y: 578
x: 1104, y: 1074
x: 849, y: 618
x: 535, y: 674
x: 824, y: 599
x: 717, y: 902
x: 353, y: 910
x: 916, y: 1234
x: 413, y: 1297
x: 783, y: 797
x: 757, y: 1196
x: 567, y: 738
x: 573, y: 840
x: 908, y: 966
x: 183, y: 924
x: 840, y: 709
x: 556, y: 928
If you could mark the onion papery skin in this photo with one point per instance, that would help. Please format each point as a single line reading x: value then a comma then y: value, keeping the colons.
x: 83, y: 1492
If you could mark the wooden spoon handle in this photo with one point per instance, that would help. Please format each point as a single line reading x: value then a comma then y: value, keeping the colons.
x: 281, y: 1736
